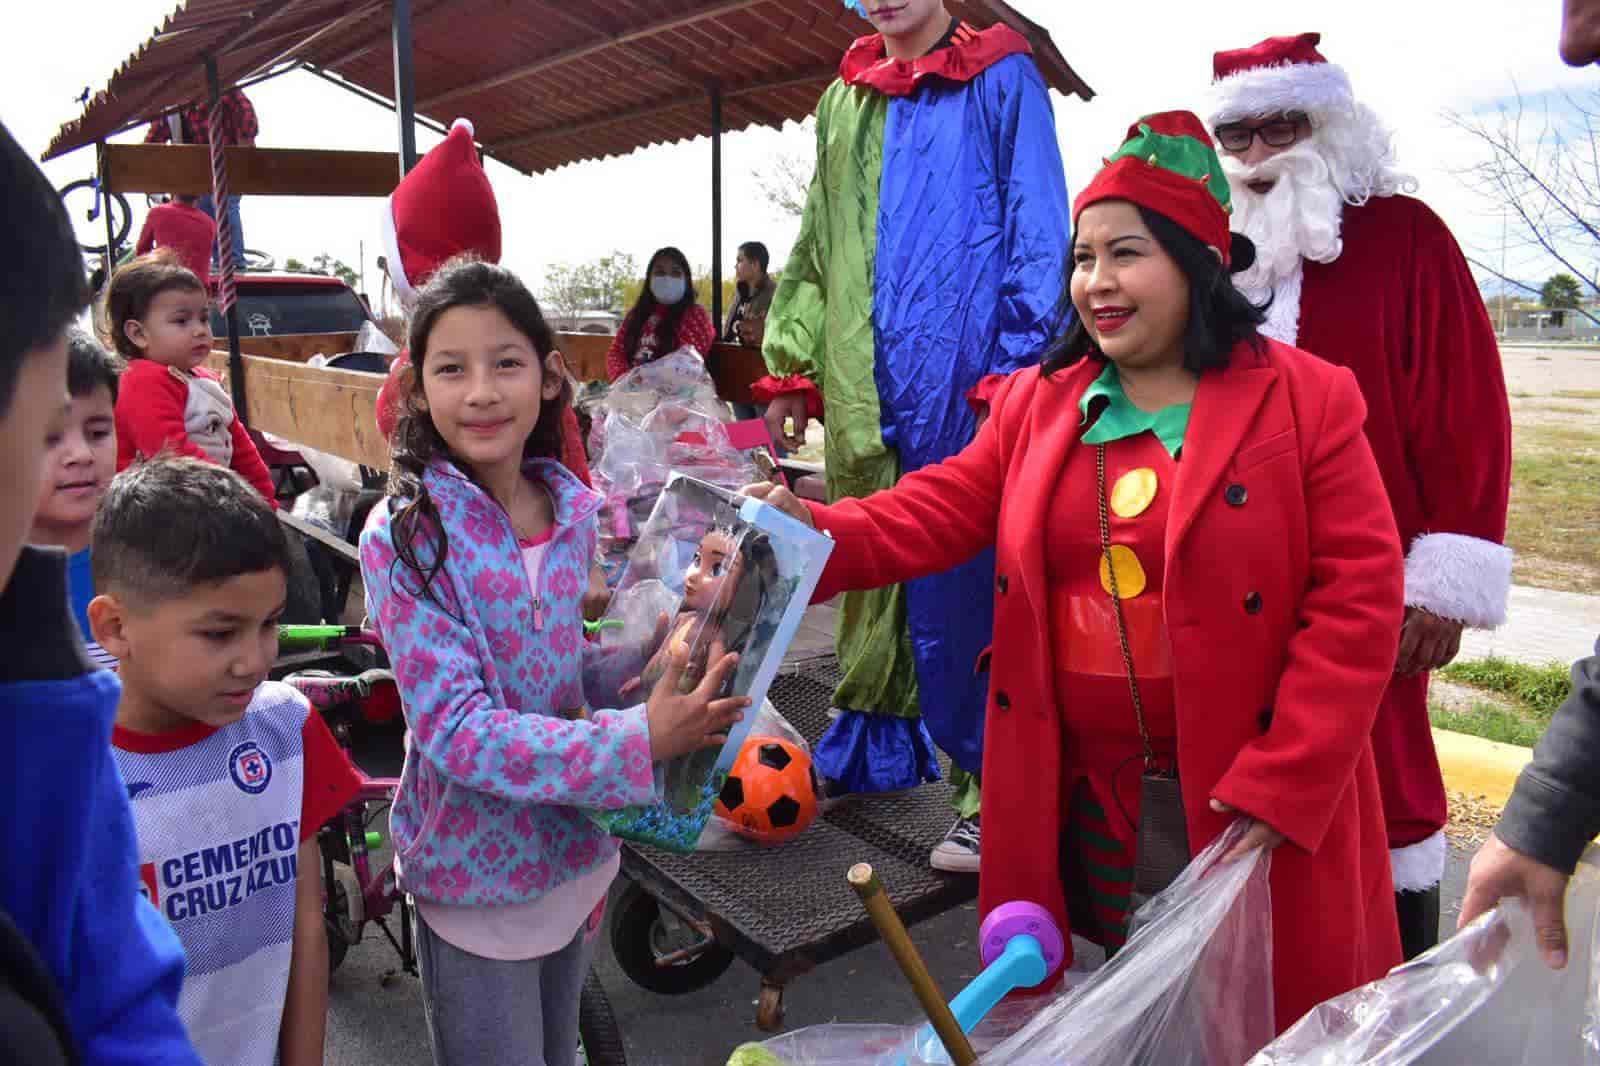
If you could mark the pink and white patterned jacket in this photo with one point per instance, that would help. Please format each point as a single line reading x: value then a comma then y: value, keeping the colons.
x: 490, y: 806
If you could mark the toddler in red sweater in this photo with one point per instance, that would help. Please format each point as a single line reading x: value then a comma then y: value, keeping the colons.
x: 160, y: 322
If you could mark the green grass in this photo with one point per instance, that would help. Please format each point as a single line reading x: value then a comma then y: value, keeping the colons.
x: 1506, y: 725
x: 1554, y: 523
x: 1560, y: 408
x: 1537, y: 689
x: 1579, y: 394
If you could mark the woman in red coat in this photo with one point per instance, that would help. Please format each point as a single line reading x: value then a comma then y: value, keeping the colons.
x: 1241, y: 515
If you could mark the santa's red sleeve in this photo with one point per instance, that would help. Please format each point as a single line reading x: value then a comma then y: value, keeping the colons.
x: 151, y: 399
x: 147, y: 235
x: 1458, y: 438
x: 764, y: 390
x: 327, y: 780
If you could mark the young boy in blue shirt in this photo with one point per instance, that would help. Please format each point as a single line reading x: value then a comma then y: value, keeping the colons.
x: 88, y: 971
x: 81, y: 462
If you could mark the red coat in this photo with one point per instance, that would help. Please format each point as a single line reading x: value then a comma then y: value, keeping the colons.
x: 1275, y: 706
x: 1400, y: 308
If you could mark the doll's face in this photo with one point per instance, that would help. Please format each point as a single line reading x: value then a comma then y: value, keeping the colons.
x: 717, y: 558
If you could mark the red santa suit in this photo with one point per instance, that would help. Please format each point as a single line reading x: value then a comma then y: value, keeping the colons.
x: 1398, y: 306
x: 445, y: 207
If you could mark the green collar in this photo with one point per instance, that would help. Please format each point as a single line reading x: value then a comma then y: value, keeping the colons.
x: 1121, y: 418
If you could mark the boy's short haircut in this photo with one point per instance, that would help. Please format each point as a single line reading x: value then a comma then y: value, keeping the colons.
x: 172, y: 523
x: 43, y: 286
x: 135, y: 286
x: 757, y: 253
x: 90, y: 366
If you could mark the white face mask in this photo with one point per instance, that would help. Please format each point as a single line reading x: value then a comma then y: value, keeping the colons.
x: 667, y: 290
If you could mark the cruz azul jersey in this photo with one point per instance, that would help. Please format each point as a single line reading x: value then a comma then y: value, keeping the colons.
x: 220, y: 815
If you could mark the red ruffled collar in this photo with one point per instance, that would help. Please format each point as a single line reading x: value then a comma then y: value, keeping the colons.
x: 970, y: 54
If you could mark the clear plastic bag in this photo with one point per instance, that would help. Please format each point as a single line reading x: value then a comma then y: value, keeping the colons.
x: 1192, y: 986
x: 1482, y: 998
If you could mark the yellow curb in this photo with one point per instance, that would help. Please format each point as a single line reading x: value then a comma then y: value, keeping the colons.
x: 1479, y: 767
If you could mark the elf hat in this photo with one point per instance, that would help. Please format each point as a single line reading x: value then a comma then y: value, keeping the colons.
x: 443, y: 208
x: 1167, y: 164
x: 1278, y: 75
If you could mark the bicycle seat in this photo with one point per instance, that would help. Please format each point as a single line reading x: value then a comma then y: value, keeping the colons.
x: 373, y: 692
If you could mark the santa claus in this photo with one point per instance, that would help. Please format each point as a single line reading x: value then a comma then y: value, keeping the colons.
x: 1369, y: 278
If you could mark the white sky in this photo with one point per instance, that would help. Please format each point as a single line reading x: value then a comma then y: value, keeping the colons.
x: 1410, y: 59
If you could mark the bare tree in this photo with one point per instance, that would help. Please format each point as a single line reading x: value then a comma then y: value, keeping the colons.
x: 1541, y: 166
x: 786, y: 180
x: 570, y: 289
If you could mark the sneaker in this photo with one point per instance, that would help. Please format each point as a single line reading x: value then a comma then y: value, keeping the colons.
x: 957, y: 853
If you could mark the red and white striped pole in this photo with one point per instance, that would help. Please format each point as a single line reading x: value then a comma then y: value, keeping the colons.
x: 227, y: 287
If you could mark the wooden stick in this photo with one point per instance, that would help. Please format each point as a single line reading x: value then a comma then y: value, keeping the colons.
x: 893, y: 931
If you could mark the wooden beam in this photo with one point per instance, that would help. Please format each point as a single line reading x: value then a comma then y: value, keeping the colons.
x: 651, y: 29
x: 343, y: 547
x: 186, y: 168
x: 329, y: 410
x: 677, y: 103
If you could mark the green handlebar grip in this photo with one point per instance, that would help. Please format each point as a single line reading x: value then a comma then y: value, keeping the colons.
x: 604, y: 623
x: 374, y: 839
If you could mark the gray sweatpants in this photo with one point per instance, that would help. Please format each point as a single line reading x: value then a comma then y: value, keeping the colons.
x: 513, y: 1013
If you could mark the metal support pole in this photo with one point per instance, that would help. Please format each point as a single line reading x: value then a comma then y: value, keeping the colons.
x: 104, y: 194
x: 716, y: 207
x: 227, y: 294
x: 405, y: 86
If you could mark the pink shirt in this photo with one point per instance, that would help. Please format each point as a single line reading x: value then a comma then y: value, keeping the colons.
x: 546, y: 925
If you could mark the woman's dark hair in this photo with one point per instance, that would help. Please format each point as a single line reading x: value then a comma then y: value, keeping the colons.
x: 667, y: 330
x: 756, y: 252
x: 134, y: 288
x: 420, y: 541
x: 42, y: 284
x: 1220, y: 316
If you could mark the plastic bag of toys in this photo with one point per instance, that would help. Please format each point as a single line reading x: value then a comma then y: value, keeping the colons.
x: 711, y: 573
x: 771, y: 793
x: 1483, y: 996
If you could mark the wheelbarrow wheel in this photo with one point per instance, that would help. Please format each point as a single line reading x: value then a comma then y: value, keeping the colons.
x: 641, y: 934
x: 598, y: 1033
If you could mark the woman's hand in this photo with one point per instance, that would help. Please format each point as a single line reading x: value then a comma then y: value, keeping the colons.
x: 1258, y: 835
x: 781, y: 498
x: 680, y: 724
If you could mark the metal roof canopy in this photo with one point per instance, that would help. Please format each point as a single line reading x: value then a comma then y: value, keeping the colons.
x: 545, y: 82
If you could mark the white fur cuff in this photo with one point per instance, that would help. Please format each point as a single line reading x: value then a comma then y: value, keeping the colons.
x: 1418, y: 867
x: 1459, y: 577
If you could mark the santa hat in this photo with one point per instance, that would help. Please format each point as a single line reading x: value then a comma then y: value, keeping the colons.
x: 443, y: 208
x: 1167, y: 164
x: 1278, y: 75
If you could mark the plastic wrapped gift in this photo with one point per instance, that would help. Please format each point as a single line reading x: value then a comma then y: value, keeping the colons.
x: 711, y: 573
x: 1482, y: 998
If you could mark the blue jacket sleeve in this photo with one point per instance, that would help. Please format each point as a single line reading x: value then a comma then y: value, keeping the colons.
x: 118, y: 963
x: 1038, y: 226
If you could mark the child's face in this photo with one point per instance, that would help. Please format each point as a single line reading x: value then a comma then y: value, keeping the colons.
x: 199, y: 656
x: 37, y: 409
x: 716, y: 559
x: 484, y: 386
x: 80, y: 464
x: 176, y: 331
x: 902, y: 18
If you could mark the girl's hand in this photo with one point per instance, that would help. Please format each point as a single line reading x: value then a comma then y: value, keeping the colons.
x: 782, y: 499
x: 680, y: 724
x: 1259, y: 835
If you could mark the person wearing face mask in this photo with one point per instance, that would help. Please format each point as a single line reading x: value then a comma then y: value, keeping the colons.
x: 663, y: 319
x: 1369, y: 278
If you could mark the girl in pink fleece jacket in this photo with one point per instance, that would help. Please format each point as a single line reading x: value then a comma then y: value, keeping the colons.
x: 474, y: 573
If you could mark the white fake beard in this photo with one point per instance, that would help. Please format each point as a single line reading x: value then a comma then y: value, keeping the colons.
x: 1298, y: 218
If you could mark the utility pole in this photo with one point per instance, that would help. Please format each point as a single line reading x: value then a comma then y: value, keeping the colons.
x: 1504, y: 293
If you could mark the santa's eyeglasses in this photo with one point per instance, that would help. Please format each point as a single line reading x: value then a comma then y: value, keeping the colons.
x: 1279, y: 133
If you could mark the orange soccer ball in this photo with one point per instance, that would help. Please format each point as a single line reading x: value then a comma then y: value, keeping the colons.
x: 771, y: 793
